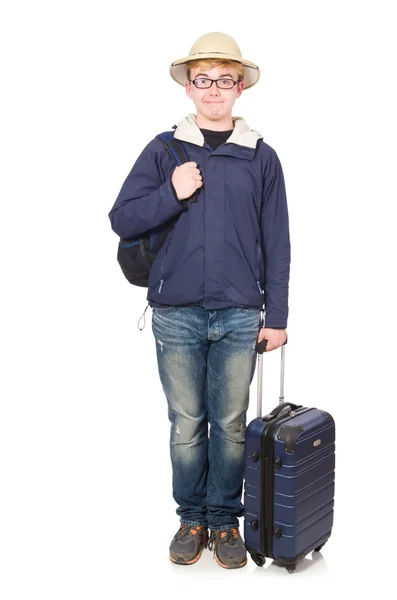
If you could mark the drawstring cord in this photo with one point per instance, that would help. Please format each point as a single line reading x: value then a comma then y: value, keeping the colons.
x: 144, y: 319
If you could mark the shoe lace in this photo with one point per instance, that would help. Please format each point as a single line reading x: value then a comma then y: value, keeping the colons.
x: 185, y: 529
x: 221, y: 536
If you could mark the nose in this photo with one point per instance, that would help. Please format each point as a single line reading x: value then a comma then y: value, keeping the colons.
x: 213, y: 87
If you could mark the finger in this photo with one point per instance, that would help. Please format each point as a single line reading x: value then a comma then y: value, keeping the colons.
x: 270, y: 347
x: 261, y: 337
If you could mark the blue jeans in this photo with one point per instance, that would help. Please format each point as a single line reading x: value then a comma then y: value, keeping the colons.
x: 206, y: 361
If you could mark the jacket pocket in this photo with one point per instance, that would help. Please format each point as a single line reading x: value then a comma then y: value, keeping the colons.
x: 259, y: 263
x: 164, y: 259
x: 165, y: 256
x: 259, y: 269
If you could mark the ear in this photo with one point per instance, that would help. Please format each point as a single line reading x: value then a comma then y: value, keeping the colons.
x: 240, y: 87
x: 187, y: 88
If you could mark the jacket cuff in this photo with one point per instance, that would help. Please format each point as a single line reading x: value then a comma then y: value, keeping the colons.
x: 275, y: 324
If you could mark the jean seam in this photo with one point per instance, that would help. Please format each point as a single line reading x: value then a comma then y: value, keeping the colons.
x: 209, y: 491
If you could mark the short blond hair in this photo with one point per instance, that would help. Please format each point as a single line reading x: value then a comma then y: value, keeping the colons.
x: 209, y: 63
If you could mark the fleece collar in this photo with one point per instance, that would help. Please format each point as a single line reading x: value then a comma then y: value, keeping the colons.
x: 188, y: 131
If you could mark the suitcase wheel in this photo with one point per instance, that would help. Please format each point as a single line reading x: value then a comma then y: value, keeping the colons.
x: 259, y: 560
x: 291, y: 568
x: 323, y: 544
x: 290, y: 563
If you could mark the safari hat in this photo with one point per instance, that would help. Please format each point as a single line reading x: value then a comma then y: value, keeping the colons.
x: 215, y: 45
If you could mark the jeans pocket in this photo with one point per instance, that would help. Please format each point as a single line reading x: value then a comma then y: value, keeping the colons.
x: 250, y: 310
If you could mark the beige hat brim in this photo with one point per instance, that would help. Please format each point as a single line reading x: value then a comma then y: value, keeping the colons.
x: 178, y: 68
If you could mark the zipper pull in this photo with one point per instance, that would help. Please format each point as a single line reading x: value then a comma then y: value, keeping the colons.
x: 161, y: 285
x: 259, y: 288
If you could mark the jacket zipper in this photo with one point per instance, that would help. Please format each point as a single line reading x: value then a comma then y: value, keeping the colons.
x: 258, y: 262
x: 162, y: 267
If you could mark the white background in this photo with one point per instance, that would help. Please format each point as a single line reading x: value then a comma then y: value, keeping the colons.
x: 86, y: 505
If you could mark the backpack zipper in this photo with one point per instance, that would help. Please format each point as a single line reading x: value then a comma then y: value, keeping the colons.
x: 124, y: 245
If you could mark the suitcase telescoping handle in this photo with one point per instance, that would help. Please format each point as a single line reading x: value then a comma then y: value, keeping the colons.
x: 261, y: 348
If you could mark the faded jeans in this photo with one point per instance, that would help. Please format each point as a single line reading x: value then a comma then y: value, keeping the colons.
x: 206, y: 361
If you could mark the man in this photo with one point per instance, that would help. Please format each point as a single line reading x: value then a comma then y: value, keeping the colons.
x: 227, y: 257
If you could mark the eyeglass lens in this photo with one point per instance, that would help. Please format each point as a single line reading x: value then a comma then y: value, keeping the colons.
x: 221, y: 83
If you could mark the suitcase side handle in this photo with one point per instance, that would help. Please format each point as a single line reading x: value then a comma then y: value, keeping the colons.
x: 278, y: 410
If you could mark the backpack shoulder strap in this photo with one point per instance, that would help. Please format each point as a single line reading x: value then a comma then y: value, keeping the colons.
x: 173, y: 146
x: 177, y: 151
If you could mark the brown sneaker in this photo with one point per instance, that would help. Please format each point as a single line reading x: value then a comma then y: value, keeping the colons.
x: 229, y: 548
x: 188, y: 543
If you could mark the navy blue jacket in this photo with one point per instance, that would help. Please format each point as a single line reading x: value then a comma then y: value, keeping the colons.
x: 231, y: 248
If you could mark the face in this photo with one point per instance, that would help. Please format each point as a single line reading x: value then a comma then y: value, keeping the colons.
x: 213, y: 103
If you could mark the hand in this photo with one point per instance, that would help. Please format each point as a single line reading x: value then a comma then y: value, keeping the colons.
x: 186, y: 179
x: 275, y: 337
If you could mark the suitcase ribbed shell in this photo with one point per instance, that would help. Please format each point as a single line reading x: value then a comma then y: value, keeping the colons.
x: 289, y: 507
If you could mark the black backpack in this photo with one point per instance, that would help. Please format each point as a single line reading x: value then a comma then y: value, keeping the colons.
x: 136, y: 255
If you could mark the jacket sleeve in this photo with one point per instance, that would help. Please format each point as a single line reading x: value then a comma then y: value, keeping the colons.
x: 145, y: 201
x: 276, y: 244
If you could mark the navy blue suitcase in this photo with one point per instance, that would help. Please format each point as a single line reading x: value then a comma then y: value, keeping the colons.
x: 289, y: 479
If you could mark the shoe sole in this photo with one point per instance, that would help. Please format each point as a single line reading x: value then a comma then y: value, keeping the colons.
x: 230, y: 566
x: 189, y: 562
